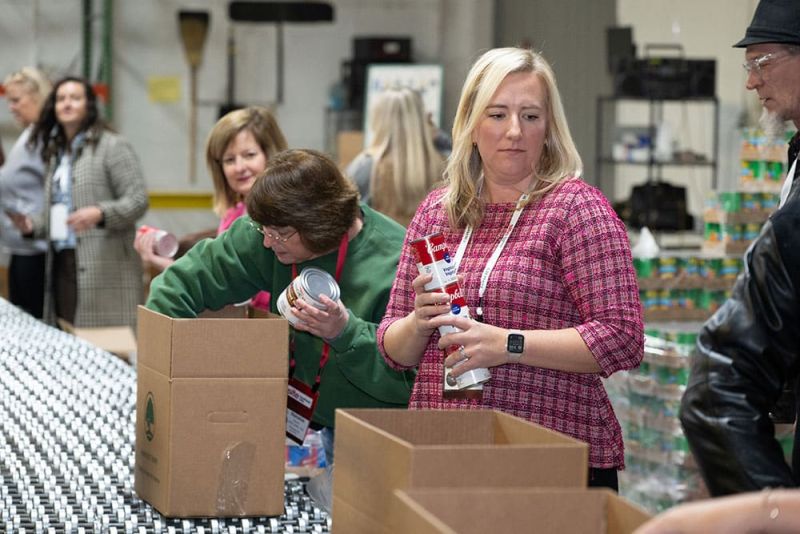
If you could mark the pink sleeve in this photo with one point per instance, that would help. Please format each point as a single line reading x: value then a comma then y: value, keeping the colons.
x: 261, y: 300
x: 401, y: 299
x: 598, y: 272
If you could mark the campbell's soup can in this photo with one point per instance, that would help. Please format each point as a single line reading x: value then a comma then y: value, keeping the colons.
x: 308, y: 286
x: 433, y: 257
x: 165, y: 245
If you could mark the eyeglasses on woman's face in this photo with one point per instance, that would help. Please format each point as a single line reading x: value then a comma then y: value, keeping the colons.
x: 272, y: 234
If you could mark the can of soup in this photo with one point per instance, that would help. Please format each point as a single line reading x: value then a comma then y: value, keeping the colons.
x: 433, y: 257
x: 165, y: 245
x: 308, y: 286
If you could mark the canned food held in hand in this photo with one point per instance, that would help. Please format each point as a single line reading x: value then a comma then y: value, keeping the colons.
x: 308, y: 286
x: 165, y: 244
x: 433, y: 257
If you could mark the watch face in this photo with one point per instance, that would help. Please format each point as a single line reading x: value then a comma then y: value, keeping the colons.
x: 516, y: 343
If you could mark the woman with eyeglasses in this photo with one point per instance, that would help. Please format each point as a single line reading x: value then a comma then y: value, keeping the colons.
x: 237, y: 151
x: 304, y: 213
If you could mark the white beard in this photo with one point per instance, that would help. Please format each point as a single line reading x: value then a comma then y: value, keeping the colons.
x: 774, y: 125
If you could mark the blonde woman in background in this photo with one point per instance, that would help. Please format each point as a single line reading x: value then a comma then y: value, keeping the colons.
x: 237, y: 151
x: 401, y: 164
x: 22, y: 191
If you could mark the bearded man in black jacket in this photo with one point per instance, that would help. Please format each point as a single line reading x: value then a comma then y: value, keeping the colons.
x: 749, y: 351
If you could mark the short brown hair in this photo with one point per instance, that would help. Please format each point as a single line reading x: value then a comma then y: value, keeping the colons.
x: 304, y: 189
x: 259, y: 122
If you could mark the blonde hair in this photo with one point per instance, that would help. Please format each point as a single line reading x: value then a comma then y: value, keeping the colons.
x: 406, y: 164
x: 33, y: 81
x: 258, y: 121
x: 559, y: 159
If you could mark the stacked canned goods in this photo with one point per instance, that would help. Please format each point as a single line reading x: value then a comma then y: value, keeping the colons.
x: 67, y: 444
x: 660, y: 471
x: 434, y: 258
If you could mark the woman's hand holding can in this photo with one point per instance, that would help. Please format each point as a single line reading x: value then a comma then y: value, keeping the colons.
x: 327, y: 324
x: 427, y: 305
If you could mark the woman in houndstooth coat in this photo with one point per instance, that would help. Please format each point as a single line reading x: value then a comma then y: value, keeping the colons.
x: 94, y: 194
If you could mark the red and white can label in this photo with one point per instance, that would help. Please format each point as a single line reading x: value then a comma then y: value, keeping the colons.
x: 433, y: 257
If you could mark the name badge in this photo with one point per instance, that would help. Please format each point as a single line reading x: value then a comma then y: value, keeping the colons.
x: 300, y: 406
x: 58, y: 222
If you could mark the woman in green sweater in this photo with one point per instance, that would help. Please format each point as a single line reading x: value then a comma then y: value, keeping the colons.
x: 304, y: 213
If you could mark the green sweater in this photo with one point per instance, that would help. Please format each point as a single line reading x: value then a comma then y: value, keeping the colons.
x: 235, y: 266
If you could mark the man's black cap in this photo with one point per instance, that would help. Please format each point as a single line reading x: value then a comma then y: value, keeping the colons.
x: 775, y: 21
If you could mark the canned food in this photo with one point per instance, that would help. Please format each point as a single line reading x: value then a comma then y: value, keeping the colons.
x: 645, y: 267
x: 692, y: 266
x: 433, y: 257
x: 750, y: 231
x: 775, y: 171
x: 751, y: 201
x: 730, y: 267
x: 711, y: 267
x: 731, y: 201
x: 731, y: 233
x: 712, y: 232
x: 308, y: 286
x: 165, y: 244
x: 769, y: 201
x: 668, y: 267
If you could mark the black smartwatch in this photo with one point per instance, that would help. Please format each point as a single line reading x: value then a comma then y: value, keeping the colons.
x: 515, y: 344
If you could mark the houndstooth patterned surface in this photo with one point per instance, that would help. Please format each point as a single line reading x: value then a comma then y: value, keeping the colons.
x: 67, y: 416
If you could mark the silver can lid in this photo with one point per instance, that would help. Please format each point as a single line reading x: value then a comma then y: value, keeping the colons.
x: 318, y: 282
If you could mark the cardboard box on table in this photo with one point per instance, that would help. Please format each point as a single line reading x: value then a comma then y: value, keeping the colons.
x: 117, y: 340
x: 211, y: 415
x: 540, y: 510
x: 379, y: 451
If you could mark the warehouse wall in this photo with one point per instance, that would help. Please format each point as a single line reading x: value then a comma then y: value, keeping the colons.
x: 571, y: 35
x: 706, y: 29
x: 453, y: 32
x: 147, y: 46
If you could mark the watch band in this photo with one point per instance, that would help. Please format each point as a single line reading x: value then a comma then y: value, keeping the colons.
x: 515, y: 346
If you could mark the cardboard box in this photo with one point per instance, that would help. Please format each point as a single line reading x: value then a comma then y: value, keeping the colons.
x: 117, y: 340
x: 378, y: 451
x: 211, y: 415
x: 544, y: 511
x: 349, y: 144
x: 4, y: 282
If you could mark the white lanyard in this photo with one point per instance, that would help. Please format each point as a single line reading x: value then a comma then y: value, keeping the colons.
x: 487, y: 270
x: 61, y: 176
x: 787, y: 184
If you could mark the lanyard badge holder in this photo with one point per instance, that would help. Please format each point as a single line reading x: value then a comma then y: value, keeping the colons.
x: 59, y: 211
x: 301, y: 398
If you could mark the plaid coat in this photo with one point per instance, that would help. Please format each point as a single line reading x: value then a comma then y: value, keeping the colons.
x: 105, y: 173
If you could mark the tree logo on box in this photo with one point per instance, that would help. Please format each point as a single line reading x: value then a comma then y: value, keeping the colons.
x: 149, y: 418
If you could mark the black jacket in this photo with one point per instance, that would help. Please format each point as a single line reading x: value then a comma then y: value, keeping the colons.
x: 747, y: 353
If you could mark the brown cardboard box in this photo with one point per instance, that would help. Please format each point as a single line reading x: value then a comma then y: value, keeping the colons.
x: 211, y: 415
x: 378, y: 451
x: 117, y: 340
x: 544, y: 511
x: 349, y: 144
x: 4, y: 281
